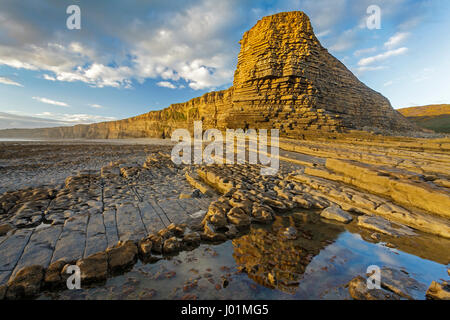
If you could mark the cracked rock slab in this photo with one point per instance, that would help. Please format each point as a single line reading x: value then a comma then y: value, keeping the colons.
x: 401, y: 283
x: 359, y: 290
x: 11, y: 249
x: 384, y: 226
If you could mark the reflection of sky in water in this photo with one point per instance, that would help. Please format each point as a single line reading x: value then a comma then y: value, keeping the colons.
x: 324, y: 277
x: 354, y: 255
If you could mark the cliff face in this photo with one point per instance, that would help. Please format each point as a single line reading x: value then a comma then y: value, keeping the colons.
x: 284, y: 79
x: 432, y: 117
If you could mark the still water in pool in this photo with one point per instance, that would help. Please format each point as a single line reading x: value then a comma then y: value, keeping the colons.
x: 315, y: 259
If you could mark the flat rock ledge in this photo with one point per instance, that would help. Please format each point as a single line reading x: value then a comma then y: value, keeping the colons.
x: 29, y: 281
x: 96, y: 268
x: 395, y: 284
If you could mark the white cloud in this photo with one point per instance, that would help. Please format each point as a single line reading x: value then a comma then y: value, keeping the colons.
x: 10, y: 82
x: 195, y: 41
x: 388, y: 83
x: 323, y: 33
x: 166, y: 84
x: 360, y: 70
x: 52, y: 102
x: 396, y: 40
x: 361, y: 52
x: 190, y: 44
x: 49, y: 77
x: 197, y: 52
x: 75, y: 118
x: 15, y: 119
x: 96, y: 106
x: 66, y: 63
x: 382, y: 56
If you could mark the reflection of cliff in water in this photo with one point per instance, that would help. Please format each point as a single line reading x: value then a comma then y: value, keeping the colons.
x: 276, y: 256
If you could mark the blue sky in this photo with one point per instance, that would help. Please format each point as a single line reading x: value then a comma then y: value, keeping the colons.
x: 135, y: 56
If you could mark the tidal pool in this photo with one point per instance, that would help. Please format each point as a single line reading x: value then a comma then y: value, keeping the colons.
x: 314, y: 260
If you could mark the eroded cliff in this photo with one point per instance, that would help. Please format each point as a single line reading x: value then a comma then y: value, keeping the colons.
x: 284, y: 79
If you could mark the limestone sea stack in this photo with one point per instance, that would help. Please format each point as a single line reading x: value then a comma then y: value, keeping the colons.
x: 284, y: 79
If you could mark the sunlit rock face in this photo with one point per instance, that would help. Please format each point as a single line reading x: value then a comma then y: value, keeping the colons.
x: 277, y: 256
x: 284, y: 79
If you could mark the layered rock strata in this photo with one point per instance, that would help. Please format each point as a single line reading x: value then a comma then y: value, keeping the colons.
x: 284, y: 79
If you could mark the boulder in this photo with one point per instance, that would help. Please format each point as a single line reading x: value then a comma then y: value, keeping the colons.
x: 245, y: 204
x: 26, y: 283
x: 262, y: 214
x: 438, y: 291
x: 122, y: 257
x: 336, y: 213
x: 52, y: 278
x: 172, y: 246
x: 217, y: 215
x: 177, y: 229
x: 93, y: 268
x: 145, y: 248
x: 192, y: 239
x: 210, y: 234
x: 232, y: 231
x: 302, y: 201
x: 5, y: 228
x: 3, y: 289
x: 238, y: 217
x: 157, y: 243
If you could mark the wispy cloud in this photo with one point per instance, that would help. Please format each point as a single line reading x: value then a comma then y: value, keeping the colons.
x: 75, y: 118
x: 361, y: 70
x: 52, y: 102
x: 96, y: 106
x: 10, y: 82
x: 15, y: 119
x: 361, y: 52
x: 323, y: 33
x: 49, y: 77
x: 382, y: 56
x: 396, y: 40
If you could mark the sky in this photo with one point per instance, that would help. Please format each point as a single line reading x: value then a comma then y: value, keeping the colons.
x: 132, y: 57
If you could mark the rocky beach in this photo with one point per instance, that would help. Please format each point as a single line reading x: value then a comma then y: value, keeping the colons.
x: 106, y: 206
x: 359, y: 187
